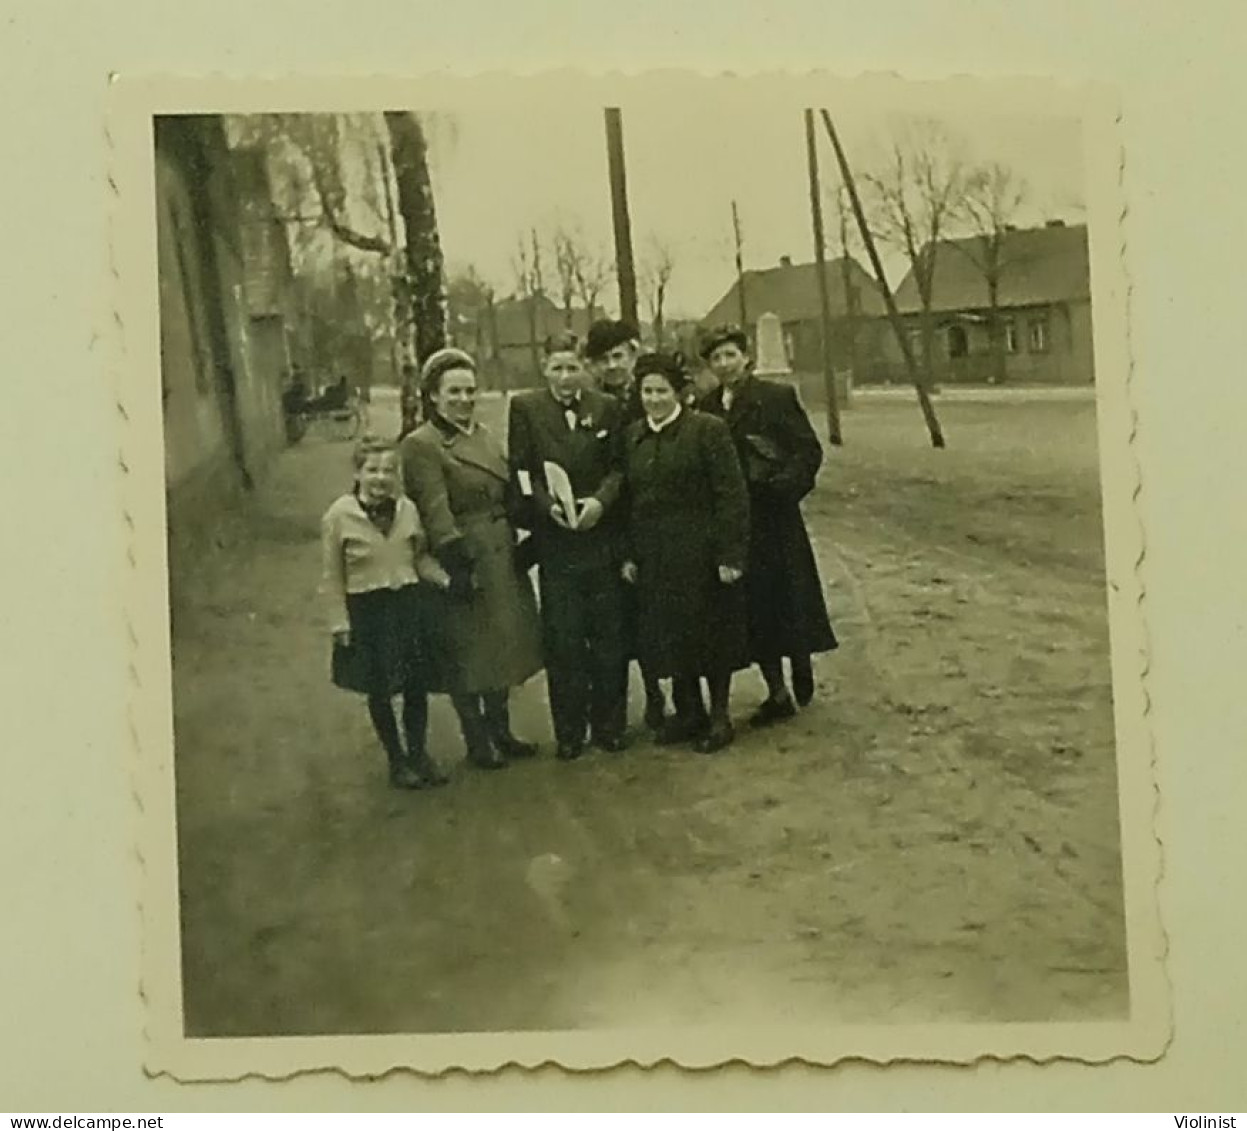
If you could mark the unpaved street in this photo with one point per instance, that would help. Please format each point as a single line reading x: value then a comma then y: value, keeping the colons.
x: 935, y: 838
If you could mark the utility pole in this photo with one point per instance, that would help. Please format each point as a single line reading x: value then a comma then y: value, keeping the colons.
x: 625, y: 268
x: 911, y: 363
x: 740, y: 269
x: 820, y: 266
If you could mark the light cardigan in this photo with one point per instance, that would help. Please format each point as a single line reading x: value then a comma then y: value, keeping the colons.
x: 358, y: 558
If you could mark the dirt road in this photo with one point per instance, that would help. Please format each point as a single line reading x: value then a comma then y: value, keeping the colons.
x: 935, y: 838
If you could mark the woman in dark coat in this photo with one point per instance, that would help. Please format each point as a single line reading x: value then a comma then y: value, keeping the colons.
x: 780, y: 455
x: 687, y: 543
x: 487, y: 637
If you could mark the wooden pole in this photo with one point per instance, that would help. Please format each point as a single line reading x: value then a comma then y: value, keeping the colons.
x: 820, y: 265
x: 740, y: 270
x: 624, y: 266
x: 911, y: 363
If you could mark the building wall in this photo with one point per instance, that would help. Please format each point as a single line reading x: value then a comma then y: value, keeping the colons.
x: 1062, y: 356
x: 221, y: 376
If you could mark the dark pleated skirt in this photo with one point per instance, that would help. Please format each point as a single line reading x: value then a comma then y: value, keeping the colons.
x: 387, y: 652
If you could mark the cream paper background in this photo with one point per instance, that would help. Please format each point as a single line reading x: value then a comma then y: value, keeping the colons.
x: 72, y: 1035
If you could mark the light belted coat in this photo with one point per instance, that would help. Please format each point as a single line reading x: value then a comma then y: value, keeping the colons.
x: 461, y: 485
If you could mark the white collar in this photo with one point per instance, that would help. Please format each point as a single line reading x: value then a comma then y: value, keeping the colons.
x: 656, y: 428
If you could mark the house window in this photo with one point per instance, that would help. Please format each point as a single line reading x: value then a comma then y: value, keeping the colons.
x: 1011, y: 336
x: 1038, y: 336
x: 958, y: 343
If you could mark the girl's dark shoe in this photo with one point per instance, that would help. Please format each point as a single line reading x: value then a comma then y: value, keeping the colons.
x: 570, y: 751
x: 774, y: 711
x: 428, y: 771
x: 404, y: 776
x: 721, y: 735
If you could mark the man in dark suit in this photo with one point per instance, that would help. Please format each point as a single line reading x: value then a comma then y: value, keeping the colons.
x: 578, y: 557
x: 780, y: 455
x: 611, y: 349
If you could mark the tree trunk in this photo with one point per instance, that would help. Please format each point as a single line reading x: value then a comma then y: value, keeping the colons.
x: 425, y: 292
x: 995, y: 338
x: 927, y: 335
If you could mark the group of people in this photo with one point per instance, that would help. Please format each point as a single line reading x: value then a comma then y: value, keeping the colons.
x: 681, y: 546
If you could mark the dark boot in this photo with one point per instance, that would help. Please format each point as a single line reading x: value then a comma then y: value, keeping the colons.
x: 481, y: 752
x: 802, y: 680
x: 690, y: 721
x: 381, y: 711
x: 497, y: 714
x: 655, y: 705
x: 415, y: 729
x: 721, y: 733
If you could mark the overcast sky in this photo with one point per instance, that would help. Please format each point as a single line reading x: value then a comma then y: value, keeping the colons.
x: 500, y: 170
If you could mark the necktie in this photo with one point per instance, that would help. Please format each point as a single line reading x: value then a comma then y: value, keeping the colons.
x: 727, y: 400
x: 569, y: 414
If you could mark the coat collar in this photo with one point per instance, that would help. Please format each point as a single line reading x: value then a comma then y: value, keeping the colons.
x: 476, y: 447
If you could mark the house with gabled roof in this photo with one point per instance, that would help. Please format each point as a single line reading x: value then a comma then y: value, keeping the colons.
x: 1043, y: 306
x: 790, y: 291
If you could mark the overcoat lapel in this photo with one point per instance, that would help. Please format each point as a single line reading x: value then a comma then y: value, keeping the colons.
x: 474, y: 448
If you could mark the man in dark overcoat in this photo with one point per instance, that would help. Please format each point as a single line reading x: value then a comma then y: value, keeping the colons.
x: 781, y: 456
x: 611, y: 349
x: 580, y: 430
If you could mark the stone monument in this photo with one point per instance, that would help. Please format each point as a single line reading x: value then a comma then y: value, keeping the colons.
x: 772, y: 357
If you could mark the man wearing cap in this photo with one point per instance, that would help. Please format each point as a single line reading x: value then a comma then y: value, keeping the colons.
x: 780, y: 455
x: 578, y: 556
x: 611, y: 349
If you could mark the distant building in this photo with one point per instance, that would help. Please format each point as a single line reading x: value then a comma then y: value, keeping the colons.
x: 507, y: 336
x: 790, y: 291
x: 1044, y: 307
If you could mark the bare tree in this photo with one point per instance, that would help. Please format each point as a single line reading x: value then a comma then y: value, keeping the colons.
x: 423, y: 246
x: 656, y: 271
x: 991, y: 198
x: 913, y: 199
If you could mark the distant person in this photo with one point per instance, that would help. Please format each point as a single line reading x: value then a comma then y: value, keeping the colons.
x: 488, y: 632
x: 688, y: 538
x: 611, y: 349
x: 780, y: 454
x: 582, y: 609
x: 377, y: 568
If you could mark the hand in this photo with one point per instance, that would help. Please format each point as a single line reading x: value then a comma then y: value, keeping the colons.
x: 342, y: 637
x: 560, y: 519
x: 729, y: 575
x: 590, y: 514
x: 629, y: 572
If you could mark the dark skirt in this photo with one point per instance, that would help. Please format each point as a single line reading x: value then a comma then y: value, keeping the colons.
x: 386, y: 653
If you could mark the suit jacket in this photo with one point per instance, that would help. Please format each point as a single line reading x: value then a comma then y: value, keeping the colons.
x: 591, y: 454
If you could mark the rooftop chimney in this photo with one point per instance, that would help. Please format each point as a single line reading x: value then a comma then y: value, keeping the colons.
x: 1055, y: 224
x: 785, y: 260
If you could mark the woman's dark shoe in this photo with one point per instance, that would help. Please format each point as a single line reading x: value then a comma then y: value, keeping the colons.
x: 774, y: 711
x: 721, y: 735
x: 569, y: 751
x: 512, y: 748
x: 483, y: 756
x: 656, y: 713
x: 611, y: 743
x: 677, y: 730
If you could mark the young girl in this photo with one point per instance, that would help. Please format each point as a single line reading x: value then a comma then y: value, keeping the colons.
x: 376, y: 562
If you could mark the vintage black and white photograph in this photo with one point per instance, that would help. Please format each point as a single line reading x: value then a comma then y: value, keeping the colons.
x: 639, y: 564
